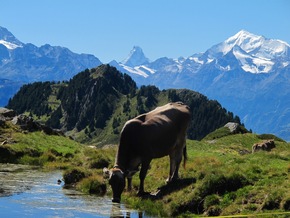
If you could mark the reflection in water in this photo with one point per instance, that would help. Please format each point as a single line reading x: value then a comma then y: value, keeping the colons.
x: 118, y: 212
x: 26, y: 192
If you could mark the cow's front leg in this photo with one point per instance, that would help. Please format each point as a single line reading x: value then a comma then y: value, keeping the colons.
x: 142, y: 175
x: 129, y: 185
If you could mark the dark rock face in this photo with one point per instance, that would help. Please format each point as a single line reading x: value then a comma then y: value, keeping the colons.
x: 27, y: 123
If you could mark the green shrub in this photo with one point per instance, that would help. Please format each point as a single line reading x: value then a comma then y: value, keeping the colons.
x: 92, y: 185
x: 74, y: 175
x: 100, y: 162
x: 286, y: 204
x: 272, y: 201
x: 213, y: 211
x: 211, y: 200
x: 28, y: 160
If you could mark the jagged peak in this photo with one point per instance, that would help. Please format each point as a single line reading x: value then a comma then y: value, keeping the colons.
x: 135, y: 58
x: 8, y: 39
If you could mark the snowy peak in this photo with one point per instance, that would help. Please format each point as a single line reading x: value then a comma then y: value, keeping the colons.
x: 246, y: 40
x: 135, y: 58
x: 258, y: 46
x: 255, y: 54
x: 8, y: 39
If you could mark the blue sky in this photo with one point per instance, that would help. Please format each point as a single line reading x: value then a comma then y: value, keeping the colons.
x: 109, y: 29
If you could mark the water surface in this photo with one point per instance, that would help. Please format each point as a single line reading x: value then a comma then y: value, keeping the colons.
x: 28, y: 192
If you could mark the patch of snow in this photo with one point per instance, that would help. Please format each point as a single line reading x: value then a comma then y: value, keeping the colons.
x: 147, y: 69
x: 196, y: 59
x: 9, y: 45
x: 253, y: 64
x: 226, y: 68
x: 209, y: 60
x: 135, y: 70
x: 273, y: 48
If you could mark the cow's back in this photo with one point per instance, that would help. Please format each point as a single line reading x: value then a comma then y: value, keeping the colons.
x: 155, y: 133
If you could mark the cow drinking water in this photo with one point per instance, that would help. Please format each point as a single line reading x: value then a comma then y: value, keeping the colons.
x: 155, y: 134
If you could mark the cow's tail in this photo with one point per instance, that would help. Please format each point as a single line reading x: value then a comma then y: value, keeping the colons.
x: 184, y: 156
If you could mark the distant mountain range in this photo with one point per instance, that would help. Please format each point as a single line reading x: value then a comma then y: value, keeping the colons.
x: 248, y: 74
x: 22, y: 63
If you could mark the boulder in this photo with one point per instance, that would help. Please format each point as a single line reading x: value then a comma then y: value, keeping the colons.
x: 25, y: 123
x: 233, y: 127
x: 6, y: 114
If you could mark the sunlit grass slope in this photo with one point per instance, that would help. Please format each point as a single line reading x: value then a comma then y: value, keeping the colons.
x: 222, y: 177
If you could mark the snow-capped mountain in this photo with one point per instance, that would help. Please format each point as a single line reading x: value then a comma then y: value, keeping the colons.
x: 135, y: 58
x: 247, y: 73
x: 24, y: 62
x: 8, y: 39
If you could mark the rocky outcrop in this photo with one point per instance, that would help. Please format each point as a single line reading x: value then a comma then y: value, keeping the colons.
x: 25, y: 122
x: 232, y: 126
x: 6, y: 114
x: 236, y: 128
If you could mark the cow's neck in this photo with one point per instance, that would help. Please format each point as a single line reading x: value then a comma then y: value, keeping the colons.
x: 122, y: 159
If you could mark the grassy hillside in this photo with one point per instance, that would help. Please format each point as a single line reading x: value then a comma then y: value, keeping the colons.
x: 35, y: 148
x: 222, y: 176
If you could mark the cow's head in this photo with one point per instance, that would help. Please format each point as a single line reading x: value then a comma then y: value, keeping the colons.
x: 117, y: 182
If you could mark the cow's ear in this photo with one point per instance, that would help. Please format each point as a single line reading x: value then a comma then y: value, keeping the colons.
x: 106, y: 173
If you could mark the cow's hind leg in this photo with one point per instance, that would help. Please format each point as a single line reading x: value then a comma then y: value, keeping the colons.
x: 175, y: 160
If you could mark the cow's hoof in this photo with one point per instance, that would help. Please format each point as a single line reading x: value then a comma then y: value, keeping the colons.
x: 168, y: 181
x: 116, y: 200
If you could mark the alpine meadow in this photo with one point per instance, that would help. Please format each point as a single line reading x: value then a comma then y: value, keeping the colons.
x: 66, y: 111
x: 222, y: 175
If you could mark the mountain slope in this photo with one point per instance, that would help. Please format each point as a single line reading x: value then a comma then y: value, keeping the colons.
x: 94, y: 105
x: 247, y: 73
x: 25, y: 62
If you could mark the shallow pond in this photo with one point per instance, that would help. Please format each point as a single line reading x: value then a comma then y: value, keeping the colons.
x: 28, y: 192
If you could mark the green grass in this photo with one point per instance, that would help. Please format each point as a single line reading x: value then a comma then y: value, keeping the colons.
x: 36, y: 148
x: 222, y: 176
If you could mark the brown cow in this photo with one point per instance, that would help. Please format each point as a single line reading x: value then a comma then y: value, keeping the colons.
x: 265, y: 146
x: 151, y: 135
